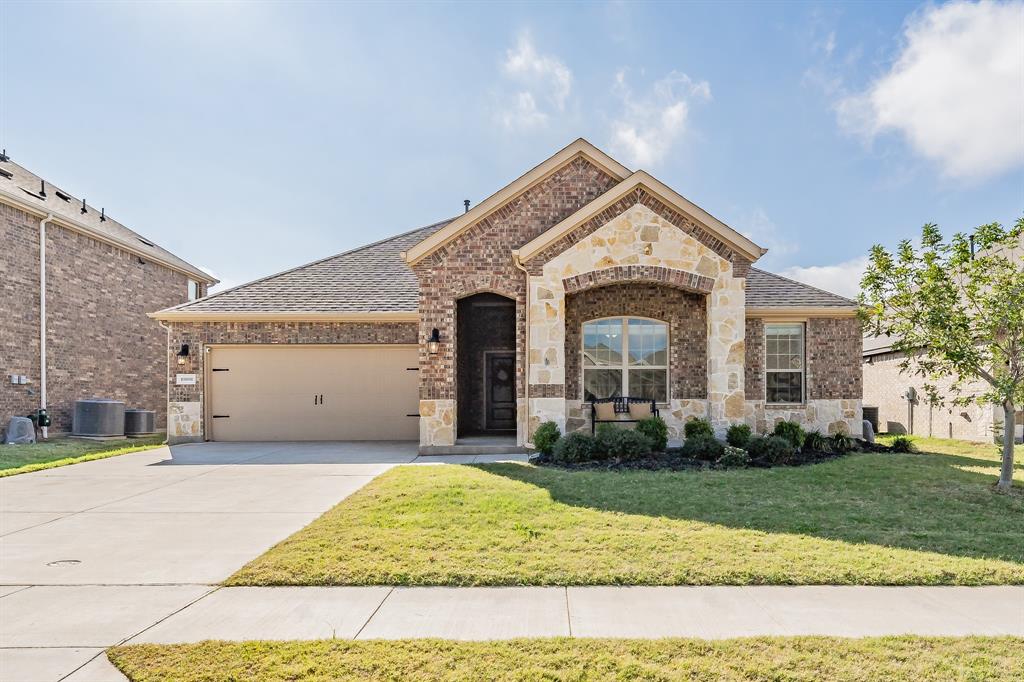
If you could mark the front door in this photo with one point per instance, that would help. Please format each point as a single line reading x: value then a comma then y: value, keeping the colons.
x: 500, y: 391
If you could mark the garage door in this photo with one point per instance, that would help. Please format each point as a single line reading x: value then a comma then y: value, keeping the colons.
x: 314, y: 393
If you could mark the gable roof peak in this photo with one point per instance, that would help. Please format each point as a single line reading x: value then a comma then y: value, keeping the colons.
x: 578, y: 148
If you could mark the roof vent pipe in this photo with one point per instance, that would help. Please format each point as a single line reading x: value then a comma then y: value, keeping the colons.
x: 465, y: 202
x: 84, y: 209
x: 103, y: 215
x: 42, y: 188
x: 3, y: 155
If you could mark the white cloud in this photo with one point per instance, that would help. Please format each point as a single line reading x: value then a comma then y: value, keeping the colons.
x: 543, y: 84
x: 650, y: 124
x: 762, y: 230
x: 955, y: 91
x: 841, y: 278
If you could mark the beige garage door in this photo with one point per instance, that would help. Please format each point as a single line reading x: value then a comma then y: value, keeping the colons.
x: 314, y: 393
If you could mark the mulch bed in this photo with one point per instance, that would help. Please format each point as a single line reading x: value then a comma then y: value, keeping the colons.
x: 672, y: 460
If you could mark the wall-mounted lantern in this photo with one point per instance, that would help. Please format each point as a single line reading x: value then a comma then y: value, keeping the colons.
x: 434, y: 342
x: 182, y: 353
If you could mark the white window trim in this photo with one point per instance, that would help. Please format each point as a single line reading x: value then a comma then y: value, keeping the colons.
x: 625, y: 367
x: 803, y: 362
x: 188, y: 289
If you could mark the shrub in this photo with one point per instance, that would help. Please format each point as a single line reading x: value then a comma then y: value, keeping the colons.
x: 818, y: 442
x: 575, y: 447
x: 698, y: 427
x: 792, y: 432
x: 842, y: 442
x: 771, y: 449
x: 703, y: 447
x: 738, y: 435
x: 903, y: 444
x: 655, y: 429
x: 629, y: 444
x: 545, y: 437
x: 734, y: 457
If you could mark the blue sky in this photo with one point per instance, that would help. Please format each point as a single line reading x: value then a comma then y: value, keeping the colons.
x: 249, y: 138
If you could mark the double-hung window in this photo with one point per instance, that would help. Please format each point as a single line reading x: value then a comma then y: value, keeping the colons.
x: 784, y: 363
x: 625, y: 356
x: 193, y: 290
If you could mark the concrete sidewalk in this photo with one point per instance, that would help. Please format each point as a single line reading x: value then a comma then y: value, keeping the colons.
x: 67, y: 627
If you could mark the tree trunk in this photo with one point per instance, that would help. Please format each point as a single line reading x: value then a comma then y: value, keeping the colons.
x: 1009, y: 430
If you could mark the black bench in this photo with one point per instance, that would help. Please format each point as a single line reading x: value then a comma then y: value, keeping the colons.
x: 621, y: 404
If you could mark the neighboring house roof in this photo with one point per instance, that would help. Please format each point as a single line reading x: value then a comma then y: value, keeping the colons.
x: 876, y: 345
x: 22, y: 190
x: 373, y: 283
x: 767, y: 291
x: 370, y: 282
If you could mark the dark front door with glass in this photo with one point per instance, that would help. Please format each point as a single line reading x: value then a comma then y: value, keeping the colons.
x: 500, y: 391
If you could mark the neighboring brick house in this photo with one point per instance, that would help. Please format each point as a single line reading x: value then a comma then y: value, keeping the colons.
x: 101, y: 279
x: 580, y: 279
x: 887, y: 388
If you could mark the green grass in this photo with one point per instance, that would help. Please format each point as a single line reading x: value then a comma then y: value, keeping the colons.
x: 877, y: 519
x: 58, y: 452
x: 895, y: 659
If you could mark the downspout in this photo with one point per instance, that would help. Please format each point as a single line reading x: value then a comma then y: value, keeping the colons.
x: 526, y: 352
x: 42, y: 316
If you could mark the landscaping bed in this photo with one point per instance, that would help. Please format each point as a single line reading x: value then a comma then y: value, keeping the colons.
x: 900, y: 659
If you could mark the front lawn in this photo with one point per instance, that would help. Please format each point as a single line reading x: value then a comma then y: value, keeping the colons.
x: 878, y: 519
x: 900, y: 659
x: 21, y: 459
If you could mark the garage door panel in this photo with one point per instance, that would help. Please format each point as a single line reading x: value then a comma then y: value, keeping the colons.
x: 314, y: 393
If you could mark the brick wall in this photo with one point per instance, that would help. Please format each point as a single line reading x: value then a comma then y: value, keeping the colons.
x: 833, y: 351
x: 481, y: 260
x: 885, y: 386
x: 834, y: 348
x: 100, y: 343
x: 684, y: 311
x: 200, y: 334
x: 753, y: 366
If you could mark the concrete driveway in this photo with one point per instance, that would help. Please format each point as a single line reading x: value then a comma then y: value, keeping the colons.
x: 95, y: 553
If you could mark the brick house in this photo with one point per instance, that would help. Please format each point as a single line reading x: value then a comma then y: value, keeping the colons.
x: 99, y: 280
x: 580, y: 279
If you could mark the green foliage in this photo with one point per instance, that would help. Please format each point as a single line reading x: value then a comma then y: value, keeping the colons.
x: 818, y: 442
x: 842, y: 442
x: 655, y: 429
x: 903, y: 444
x: 738, y: 435
x: 734, y: 457
x: 703, y: 446
x: 546, y: 436
x: 627, y: 444
x: 698, y: 427
x: 954, y: 311
x: 771, y: 449
x: 575, y: 447
x: 792, y: 432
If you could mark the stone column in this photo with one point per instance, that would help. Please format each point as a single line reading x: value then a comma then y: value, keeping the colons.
x: 726, y: 349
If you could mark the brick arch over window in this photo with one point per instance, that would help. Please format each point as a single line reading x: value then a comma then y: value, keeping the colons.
x: 684, y: 311
x: 650, y: 274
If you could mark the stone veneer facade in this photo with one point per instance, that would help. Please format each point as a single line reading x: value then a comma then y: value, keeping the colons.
x: 185, y: 403
x: 100, y: 342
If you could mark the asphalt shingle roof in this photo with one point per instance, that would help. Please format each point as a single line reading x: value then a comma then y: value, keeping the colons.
x: 372, y: 278
x: 768, y: 290
x: 25, y: 185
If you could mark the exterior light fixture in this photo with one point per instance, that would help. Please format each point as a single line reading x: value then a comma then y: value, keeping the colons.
x: 434, y: 342
x: 182, y: 353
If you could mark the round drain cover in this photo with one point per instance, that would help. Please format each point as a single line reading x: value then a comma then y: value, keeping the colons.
x: 64, y: 562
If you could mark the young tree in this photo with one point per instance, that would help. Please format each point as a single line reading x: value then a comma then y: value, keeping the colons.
x: 956, y: 310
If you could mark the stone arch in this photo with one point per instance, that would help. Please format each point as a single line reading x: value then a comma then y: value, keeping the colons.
x: 650, y: 274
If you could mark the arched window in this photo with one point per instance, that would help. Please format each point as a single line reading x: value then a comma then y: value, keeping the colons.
x: 625, y: 356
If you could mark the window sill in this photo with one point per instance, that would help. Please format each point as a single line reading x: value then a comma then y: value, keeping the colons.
x: 784, y: 406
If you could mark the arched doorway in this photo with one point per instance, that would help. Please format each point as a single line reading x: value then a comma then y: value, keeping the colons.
x: 486, y: 365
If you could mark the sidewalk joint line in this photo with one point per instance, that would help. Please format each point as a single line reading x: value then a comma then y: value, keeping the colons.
x: 363, y: 626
